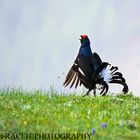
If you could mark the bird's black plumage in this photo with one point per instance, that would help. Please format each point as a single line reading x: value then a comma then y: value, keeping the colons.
x: 89, y: 70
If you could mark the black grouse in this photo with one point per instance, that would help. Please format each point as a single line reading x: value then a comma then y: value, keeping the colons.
x: 89, y: 70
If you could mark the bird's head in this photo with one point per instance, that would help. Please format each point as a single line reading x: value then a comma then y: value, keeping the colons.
x: 84, y: 40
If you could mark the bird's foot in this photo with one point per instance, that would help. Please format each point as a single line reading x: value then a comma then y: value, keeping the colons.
x: 87, y: 94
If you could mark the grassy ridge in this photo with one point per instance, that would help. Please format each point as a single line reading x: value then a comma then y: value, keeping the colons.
x: 24, y: 112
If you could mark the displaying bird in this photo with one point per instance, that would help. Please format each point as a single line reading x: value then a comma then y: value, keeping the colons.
x: 89, y: 70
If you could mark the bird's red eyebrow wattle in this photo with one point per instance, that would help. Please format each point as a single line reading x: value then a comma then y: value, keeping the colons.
x: 84, y: 36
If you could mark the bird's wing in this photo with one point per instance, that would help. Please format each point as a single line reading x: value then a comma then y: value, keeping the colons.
x: 72, y: 75
x: 96, y: 61
x: 97, y: 57
x: 79, y: 73
x: 85, y: 66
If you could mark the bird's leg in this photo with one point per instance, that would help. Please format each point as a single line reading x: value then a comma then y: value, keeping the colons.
x: 87, y: 93
x: 94, y: 92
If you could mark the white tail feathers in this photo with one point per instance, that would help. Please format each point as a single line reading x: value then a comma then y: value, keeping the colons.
x: 106, y: 74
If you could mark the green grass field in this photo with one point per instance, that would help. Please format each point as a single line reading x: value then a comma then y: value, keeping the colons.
x: 111, y: 117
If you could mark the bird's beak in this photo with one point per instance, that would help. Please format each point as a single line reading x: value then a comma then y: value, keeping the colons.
x: 80, y: 38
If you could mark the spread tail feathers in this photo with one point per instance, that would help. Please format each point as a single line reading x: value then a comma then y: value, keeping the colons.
x: 111, y: 75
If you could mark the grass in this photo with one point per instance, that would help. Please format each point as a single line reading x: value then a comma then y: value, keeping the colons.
x: 24, y: 112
